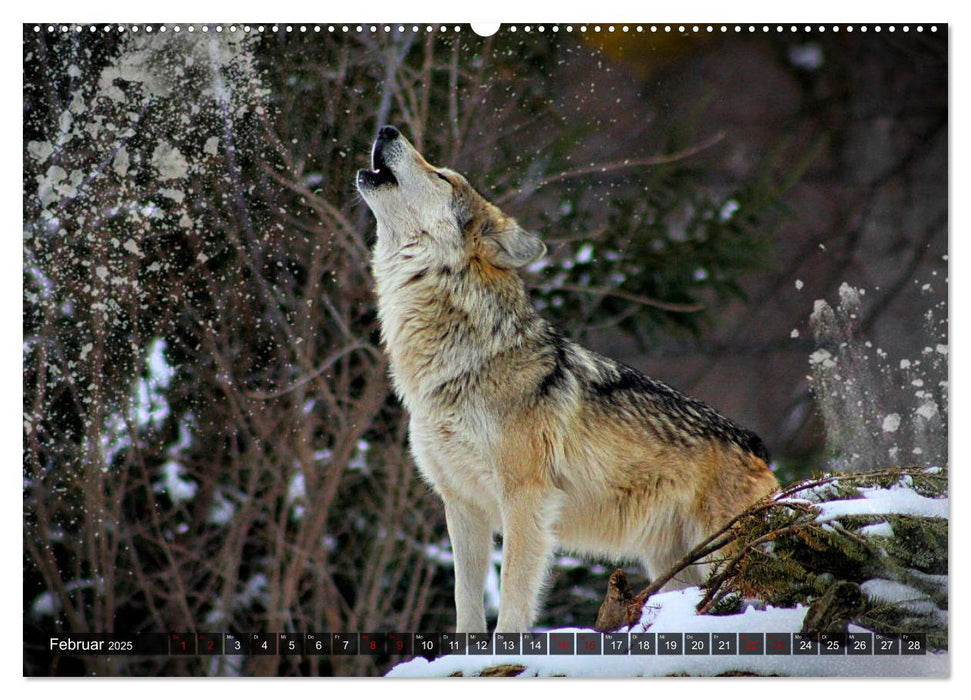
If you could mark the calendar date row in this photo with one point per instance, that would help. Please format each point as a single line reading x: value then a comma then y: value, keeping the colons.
x: 434, y: 644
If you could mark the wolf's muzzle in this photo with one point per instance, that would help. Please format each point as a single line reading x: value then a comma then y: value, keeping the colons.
x: 387, y: 135
x: 381, y: 172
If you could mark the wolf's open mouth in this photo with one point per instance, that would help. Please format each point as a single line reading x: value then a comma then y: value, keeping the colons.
x: 381, y: 173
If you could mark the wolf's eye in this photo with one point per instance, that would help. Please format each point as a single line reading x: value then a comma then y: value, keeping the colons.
x: 444, y: 178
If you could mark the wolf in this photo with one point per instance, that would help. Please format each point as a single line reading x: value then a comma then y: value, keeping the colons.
x: 519, y: 430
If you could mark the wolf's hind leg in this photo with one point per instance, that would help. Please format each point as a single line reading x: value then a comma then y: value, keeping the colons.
x: 692, y: 575
x: 660, y: 559
x: 471, y: 537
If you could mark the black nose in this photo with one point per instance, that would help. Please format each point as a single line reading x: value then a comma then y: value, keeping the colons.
x: 388, y: 133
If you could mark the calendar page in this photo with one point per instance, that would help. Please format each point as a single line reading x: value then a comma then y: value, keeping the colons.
x: 457, y: 350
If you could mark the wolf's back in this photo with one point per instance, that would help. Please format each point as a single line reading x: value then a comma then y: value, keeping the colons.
x: 621, y: 392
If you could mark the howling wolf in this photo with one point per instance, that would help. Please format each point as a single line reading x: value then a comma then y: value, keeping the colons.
x: 518, y: 429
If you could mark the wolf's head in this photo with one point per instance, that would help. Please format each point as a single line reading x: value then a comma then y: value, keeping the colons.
x: 435, y: 213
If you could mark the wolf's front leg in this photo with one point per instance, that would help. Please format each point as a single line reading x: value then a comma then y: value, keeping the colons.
x: 528, y: 517
x: 471, y: 537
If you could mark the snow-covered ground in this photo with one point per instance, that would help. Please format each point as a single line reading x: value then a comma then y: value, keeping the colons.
x: 675, y: 612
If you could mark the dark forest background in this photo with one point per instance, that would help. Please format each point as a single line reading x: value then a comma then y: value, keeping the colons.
x: 210, y: 441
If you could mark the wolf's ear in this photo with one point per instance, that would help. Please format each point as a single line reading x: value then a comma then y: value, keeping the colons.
x: 512, y: 246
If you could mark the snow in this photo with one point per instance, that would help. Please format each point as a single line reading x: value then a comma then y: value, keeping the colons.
x: 890, y: 418
x: 49, y: 187
x: 728, y: 210
x: 585, y: 254
x: 440, y: 553
x: 296, y: 494
x: 822, y: 357
x: 492, y: 584
x: 850, y: 296
x: 675, y: 612
x: 45, y: 605
x: 932, y: 665
x: 255, y: 590
x: 175, y: 484
x: 169, y: 162
x: 896, y: 592
x: 151, y: 407
x: 877, y: 530
x: 222, y: 510
x: 40, y: 150
x: 121, y: 162
x: 807, y: 56
x: 878, y: 501
x: 132, y: 247
x: 358, y: 461
x: 891, y: 423
x: 212, y: 146
x: 48, y: 604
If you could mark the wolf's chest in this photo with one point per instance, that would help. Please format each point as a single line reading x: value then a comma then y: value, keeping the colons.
x: 454, y: 454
